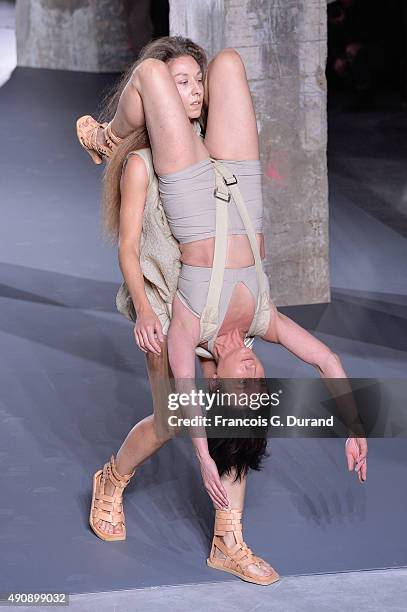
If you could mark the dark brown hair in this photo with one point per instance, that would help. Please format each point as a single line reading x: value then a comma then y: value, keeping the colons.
x: 235, y: 456
x: 164, y: 49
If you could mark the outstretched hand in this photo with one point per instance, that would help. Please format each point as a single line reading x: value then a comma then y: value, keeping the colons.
x: 213, y: 484
x: 356, y: 455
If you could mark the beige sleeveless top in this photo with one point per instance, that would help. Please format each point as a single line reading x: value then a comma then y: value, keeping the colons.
x: 159, y: 256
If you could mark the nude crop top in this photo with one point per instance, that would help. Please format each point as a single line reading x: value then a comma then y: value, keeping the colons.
x: 190, y: 205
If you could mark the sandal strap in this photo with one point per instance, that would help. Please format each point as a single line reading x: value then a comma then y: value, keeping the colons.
x: 109, y: 511
x: 226, y: 521
x: 110, y: 507
x: 114, y: 504
x: 110, y: 517
x: 227, y: 514
x: 237, y: 530
x: 239, y: 556
x: 88, y: 136
x: 111, y: 138
x: 110, y: 473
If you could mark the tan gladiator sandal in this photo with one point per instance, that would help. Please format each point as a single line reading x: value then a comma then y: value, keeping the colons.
x: 239, y: 556
x: 108, y: 507
x: 87, y: 129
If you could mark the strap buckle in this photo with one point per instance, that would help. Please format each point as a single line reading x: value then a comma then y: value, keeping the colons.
x: 221, y: 196
x: 231, y: 181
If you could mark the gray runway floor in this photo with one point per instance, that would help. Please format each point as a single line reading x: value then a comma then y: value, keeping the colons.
x: 73, y: 382
x: 373, y: 591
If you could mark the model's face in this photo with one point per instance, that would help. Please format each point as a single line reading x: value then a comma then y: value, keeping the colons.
x: 240, y: 363
x: 189, y: 81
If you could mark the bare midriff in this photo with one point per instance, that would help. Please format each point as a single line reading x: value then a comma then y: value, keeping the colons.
x: 239, y: 252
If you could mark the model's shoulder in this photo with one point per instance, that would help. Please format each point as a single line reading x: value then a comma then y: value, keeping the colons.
x: 135, y: 159
x: 145, y: 153
x: 136, y: 168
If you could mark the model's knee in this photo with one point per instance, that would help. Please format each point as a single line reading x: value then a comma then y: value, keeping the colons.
x: 148, y: 69
x: 161, y: 430
x: 228, y: 59
x: 151, y: 429
x: 231, y: 55
x: 157, y: 363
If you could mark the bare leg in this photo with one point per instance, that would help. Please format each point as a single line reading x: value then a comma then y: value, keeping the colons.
x: 151, y: 98
x: 231, y: 131
x: 143, y: 440
x: 146, y: 437
x: 129, y: 114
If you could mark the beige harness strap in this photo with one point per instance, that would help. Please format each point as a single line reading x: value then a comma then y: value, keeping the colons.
x: 226, y: 184
x: 209, y: 316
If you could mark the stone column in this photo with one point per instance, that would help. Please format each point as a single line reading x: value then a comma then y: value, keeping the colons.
x: 84, y: 35
x: 283, y: 44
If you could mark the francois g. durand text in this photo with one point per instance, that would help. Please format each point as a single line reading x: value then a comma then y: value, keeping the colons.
x: 253, y: 421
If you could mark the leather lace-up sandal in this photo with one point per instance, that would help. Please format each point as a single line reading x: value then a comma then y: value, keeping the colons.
x: 112, y: 140
x: 108, y: 508
x: 238, y: 557
x: 87, y: 130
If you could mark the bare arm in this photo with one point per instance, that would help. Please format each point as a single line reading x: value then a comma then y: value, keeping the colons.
x: 311, y: 350
x: 181, y: 352
x: 133, y: 187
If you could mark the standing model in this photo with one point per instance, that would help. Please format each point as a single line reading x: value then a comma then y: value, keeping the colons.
x: 211, y: 194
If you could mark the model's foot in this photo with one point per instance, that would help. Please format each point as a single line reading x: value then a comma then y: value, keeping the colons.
x: 265, y: 568
x: 109, y: 489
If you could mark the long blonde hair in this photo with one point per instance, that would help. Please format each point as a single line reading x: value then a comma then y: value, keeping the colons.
x: 164, y: 48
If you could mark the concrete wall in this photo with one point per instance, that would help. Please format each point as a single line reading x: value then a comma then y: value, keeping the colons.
x: 81, y: 34
x: 283, y: 44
